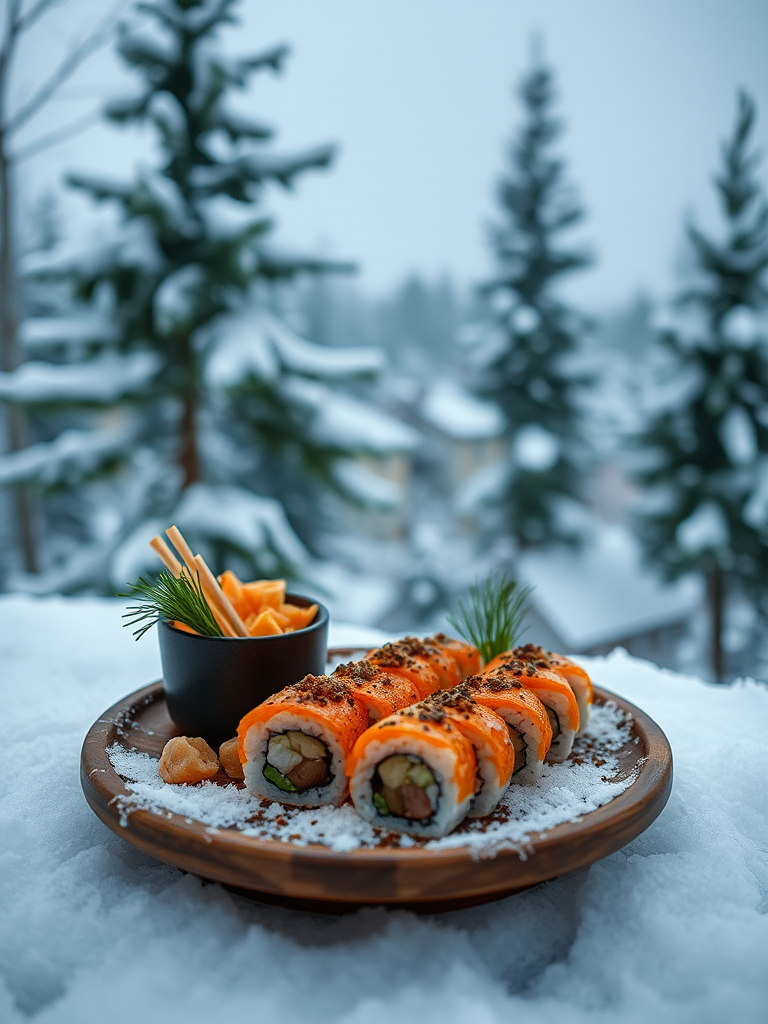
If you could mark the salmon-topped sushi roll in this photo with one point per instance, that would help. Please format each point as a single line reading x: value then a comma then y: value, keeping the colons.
x: 573, y: 674
x: 413, y: 772
x: 525, y: 715
x: 381, y: 693
x: 294, y: 746
x: 400, y: 659
x: 490, y: 737
x: 442, y: 661
x: 467, y: 657
x: 553, y: 691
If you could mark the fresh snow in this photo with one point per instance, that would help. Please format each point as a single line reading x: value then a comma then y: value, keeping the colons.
x: 239, y: 517
x: 254, y: 342
x: 361, y: 484
x: 738, y: 436
x: 603, y: 592
x: 706, y: 528
x: 45, y: 331
x: 535, y: 449
x: 348, y: 423
x: 453, y: 410
x: 103, y: 380
x: 673, y: 928
x: 72, y: 455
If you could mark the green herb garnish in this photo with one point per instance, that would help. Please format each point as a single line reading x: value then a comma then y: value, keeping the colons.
x: 278, y: 779
x: 492, y: 616
x: 172, y: 598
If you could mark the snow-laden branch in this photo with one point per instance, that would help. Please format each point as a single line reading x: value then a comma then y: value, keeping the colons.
x: 101, y: 381
x: 74, y: 454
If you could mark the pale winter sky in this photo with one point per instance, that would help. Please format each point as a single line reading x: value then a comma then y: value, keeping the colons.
x: 418, y: 94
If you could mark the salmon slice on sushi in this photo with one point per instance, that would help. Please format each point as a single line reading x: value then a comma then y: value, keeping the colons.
x: 294, y: 746
x: 401, y: 659
x: 466, y: 655
x: 491, y: 740
x: 554, y: 693
x: 573, y: 674
x: 380, y: 692
x: 441, y: 660
x: 527, y: 721
x: 414, y: 772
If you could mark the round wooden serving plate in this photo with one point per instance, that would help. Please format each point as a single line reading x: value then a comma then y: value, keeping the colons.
x: 317, y: 878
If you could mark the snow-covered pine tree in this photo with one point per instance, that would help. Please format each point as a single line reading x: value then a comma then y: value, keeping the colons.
x: 527, y: 349
x: 706, y: 503
x: 147, y: 343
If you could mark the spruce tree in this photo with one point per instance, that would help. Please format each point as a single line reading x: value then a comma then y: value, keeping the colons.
x: 152, y: 311
x: 527, y: 348
x: 706, y: 504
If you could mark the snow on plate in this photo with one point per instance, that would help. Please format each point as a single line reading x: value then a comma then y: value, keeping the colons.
x: 566, y: 792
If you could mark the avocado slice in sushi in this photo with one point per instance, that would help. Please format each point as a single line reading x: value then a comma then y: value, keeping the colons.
x: 274, y: 776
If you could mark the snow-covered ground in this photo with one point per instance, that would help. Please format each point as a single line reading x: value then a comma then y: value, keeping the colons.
x: 673, y: 928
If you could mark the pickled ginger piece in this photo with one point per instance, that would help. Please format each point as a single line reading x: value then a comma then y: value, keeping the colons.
x: 298, y: 617
x: 187, y: 759
x: 234, y: 590
x: 230, y: 759
x: 263, y: 624
x: 264, y: 594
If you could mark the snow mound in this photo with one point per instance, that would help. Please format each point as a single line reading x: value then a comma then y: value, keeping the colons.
x: 673, y: 928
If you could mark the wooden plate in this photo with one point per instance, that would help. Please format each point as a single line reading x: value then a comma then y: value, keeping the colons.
x: 315, y: 877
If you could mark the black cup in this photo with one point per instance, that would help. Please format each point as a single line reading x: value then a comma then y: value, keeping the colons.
x: 212, y: 681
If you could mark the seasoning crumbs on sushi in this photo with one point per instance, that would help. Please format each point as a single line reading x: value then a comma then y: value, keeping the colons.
x: 591, y: 778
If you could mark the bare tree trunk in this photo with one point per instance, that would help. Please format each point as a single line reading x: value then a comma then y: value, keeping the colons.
x: 189, y: 458
x: 9, y: 360
x: 716, y: 598
x: 188, y: 455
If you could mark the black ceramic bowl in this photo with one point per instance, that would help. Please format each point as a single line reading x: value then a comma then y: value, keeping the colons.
x: 212, y: 681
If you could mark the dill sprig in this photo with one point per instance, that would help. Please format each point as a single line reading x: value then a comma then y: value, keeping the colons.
x: 168, y: 597
x: 492, y: 616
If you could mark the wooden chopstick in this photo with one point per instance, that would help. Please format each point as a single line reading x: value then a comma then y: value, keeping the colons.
x: 167, y: 557
x: 218, y: 610
x: 212, y: 588
x: 177, y: 539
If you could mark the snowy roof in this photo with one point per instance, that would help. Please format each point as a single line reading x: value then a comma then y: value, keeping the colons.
x: 453, y: 410
x: 604, y: 593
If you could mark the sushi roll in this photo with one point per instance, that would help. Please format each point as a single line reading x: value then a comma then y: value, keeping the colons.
x: 554, y: 693
x: 441, y: 660
x: 380, y: 692
x: 573, y: 674
x: 467, y: 657
x: 402, y: 658
x: 413, y: 772
x: 294, y: 746
x: 526, y: 717
x: 490, y: 737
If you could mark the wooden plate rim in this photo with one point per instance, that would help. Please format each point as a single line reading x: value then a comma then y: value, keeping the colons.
x: 616, y: 822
